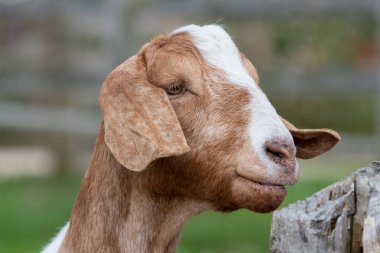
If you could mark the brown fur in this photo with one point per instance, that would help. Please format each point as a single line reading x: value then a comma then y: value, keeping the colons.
x: 186, y: 148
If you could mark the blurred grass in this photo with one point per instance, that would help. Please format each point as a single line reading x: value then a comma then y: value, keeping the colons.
x: 32, y: 209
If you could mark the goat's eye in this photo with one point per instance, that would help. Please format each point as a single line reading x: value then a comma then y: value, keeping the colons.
x: 176, y: 88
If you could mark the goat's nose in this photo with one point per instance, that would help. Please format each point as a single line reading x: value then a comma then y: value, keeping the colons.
x: 280, y: 151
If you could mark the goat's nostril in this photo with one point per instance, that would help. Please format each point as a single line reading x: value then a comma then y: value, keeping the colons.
x: 277, y: 150
x: 275, y: 153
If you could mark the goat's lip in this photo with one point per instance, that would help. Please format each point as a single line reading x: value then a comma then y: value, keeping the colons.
x: 246, y: 176
x: 277, y: 186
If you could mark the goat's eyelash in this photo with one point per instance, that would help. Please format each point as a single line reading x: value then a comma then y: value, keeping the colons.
x: 176, y: 88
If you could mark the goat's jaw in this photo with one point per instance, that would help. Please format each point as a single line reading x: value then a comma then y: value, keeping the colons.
x: 258, y: 197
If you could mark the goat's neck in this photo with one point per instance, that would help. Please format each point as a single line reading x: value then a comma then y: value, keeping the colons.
x: 114, y: 211
x: 154, y: 225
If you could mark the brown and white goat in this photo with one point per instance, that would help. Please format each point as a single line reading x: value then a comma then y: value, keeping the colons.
x: 185, y: 128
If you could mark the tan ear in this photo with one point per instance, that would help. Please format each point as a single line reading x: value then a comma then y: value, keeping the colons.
x: 250, y: 68
x: 140, y: 123
x: 312, y: 142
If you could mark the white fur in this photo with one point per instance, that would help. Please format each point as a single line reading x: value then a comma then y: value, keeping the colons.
x: 218, y: 50
x: 55, y: 244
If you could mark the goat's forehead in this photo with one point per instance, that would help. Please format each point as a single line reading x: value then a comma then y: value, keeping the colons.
x: 218, y: 50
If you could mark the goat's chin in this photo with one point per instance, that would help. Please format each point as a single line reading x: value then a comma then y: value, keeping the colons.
x: 257, y: 197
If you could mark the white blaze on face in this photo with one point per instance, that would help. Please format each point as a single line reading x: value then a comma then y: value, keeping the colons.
x: 218, y: 50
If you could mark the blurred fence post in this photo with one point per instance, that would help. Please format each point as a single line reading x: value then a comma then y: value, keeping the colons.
x: 377, y: 109
x: 117, y: 39
x: 344, y: 217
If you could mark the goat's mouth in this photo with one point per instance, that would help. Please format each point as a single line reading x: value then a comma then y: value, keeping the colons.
x: 259, y: 181
x: 262, y: 184
x: 258, y: 186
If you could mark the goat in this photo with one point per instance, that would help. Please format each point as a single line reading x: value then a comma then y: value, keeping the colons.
x: 185, y: 128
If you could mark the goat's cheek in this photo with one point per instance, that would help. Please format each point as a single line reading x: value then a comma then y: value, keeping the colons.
x: 256, y: 197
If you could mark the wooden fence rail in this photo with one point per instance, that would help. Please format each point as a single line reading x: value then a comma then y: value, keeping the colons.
x: 344, y: 217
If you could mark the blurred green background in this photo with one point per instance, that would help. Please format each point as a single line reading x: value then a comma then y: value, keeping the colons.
x: 318, y: 62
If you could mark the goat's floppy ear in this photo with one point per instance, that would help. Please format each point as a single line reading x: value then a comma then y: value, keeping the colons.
x: 140, y: 123
x: 250, y: 68
x: 312, y: 142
